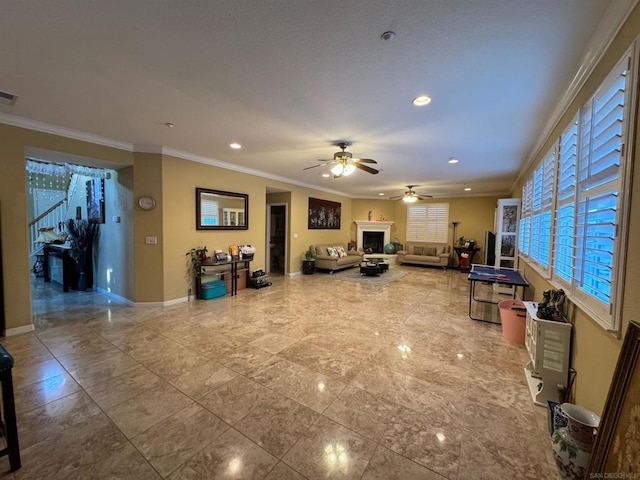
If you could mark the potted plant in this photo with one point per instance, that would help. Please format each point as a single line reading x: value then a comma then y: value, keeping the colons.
x: 82, y: 233
x: 197, y: 256
x: 309, y: 263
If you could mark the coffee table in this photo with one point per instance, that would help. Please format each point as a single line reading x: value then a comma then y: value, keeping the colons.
x: 373, y: 267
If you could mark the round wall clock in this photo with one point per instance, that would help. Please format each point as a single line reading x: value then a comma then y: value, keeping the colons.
x: 147, y: 203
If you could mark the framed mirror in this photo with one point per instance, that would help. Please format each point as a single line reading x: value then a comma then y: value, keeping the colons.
x: 218, y: 210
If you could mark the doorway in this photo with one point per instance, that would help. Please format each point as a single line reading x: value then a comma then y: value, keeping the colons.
x: 277, y: 227
x: 63, y: 188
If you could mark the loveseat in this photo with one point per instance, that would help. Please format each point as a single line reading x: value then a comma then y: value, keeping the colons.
x: 424, y: 253
x: 326, y: 261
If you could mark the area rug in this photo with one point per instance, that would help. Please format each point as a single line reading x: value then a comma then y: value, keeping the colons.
x: 353, y: 275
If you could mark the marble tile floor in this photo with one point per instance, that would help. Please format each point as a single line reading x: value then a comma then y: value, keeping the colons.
x: 311, y: 378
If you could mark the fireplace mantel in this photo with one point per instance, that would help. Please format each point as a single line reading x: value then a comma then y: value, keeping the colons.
x: 369, y: 226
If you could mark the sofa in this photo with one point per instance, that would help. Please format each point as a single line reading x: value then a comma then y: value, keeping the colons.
x: 424, y: 253
x: 325, y: 261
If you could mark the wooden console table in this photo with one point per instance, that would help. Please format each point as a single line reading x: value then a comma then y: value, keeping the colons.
x: 67, y: 276
x: 233, y: 263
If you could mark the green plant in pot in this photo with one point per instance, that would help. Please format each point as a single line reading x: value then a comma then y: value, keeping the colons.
x: 308, y: 264
x: 197, y: 256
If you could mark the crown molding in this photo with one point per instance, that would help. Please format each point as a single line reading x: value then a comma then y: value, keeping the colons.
x: 608, y: 28
x: 248, y: 171
x: 44, y: 127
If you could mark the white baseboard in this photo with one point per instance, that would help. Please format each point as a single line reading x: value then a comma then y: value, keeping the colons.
x: 115, y: 297
x: 294, y: 274
x: 18, y: 330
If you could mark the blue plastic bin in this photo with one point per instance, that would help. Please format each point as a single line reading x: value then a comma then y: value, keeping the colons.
x: 214, y: 289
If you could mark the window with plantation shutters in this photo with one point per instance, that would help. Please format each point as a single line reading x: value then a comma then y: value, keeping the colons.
x: 542, y: 210
x: 428, y: 223
x: 601, y: 136
x: 209, y: 209
x: 565, y: 205
x: 525, y: 220
x: 573, y: 210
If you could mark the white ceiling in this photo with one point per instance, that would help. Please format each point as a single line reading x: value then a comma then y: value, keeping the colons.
x: 288, y: 78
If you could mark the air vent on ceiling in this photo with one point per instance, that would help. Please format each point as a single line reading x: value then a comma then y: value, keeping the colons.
x: 8, y: 98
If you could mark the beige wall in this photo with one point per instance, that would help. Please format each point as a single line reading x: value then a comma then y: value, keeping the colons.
x: 13, y: 200
x: 306, y: 237
x: 594, y: 351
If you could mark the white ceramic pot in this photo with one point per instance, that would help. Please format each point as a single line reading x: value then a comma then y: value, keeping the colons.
x: 572, y: 444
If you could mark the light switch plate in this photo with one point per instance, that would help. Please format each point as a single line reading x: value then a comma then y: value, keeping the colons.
x: 151, y: 240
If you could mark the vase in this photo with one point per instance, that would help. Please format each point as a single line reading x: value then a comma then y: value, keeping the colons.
x: 82, y: 282
x: 572, y: 445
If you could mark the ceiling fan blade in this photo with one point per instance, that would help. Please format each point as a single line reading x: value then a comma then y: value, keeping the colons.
x: 366, y: 168
x: 364, y: 160
x: 398, y: 197
x: 314, y: 166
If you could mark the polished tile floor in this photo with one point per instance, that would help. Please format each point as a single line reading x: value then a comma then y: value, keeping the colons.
x: 311, y: 378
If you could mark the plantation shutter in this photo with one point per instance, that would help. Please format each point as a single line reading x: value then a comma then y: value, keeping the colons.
x: 428, y: 223
x: 209, y: 210
x: 417, y: 223
x: 565, y: 213
x: 597, y: 188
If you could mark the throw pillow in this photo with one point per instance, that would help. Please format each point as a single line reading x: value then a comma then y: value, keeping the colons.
x: 340, y: 250
x: 441, y: 250
x: 418, y: 250
x: 430, y: 251
x: 332, y: 252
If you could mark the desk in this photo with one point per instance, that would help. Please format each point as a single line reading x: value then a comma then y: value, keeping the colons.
x: 489, y: 274
x: 464, y: 263
x: 233, y: 263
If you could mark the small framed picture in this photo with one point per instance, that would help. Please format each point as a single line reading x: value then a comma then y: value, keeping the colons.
x: 221, y: 257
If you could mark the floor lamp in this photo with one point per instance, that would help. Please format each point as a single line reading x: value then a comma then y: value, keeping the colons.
x: 455, y: 227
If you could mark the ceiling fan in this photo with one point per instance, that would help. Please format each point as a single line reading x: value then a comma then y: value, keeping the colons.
x: 344, y: 164
x: 410, y: 196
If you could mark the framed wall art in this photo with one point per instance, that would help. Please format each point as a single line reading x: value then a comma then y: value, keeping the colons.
x: 324, y: 214
x: 95, y: 200
x: 617, y: 447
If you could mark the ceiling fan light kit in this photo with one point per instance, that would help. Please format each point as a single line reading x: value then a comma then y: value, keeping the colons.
x: 344, y: 164
x: 410, y: 196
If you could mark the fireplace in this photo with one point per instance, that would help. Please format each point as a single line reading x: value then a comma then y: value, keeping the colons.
x: 373, y: 242
x: 373, y: 227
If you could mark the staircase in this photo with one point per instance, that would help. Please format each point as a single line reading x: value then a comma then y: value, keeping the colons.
x: 54, y: 217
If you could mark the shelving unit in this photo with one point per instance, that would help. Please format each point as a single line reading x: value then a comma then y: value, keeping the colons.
x: 232, y: 217
x: 506, y: 248
x: 548, y: 343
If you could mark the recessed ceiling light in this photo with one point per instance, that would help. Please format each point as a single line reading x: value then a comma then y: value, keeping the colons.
x: 169, y: 125
x: 235, y: 145
x: 381, y: 194
x: 326, y: 175
x: 453, y: 160
x: 467, y: 189
x: 422, y: 100
x: 386, y: 36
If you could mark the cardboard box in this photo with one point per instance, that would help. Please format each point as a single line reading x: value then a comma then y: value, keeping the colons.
x: 241, y: 282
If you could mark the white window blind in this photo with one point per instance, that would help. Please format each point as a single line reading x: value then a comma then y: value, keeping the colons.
x: 586, y: 220
x: 525, y: 219
x: 542, y: 211
x: 209, y: 210
x: 428, y: 223
x: 601, y: 140
x: 565, y: 213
